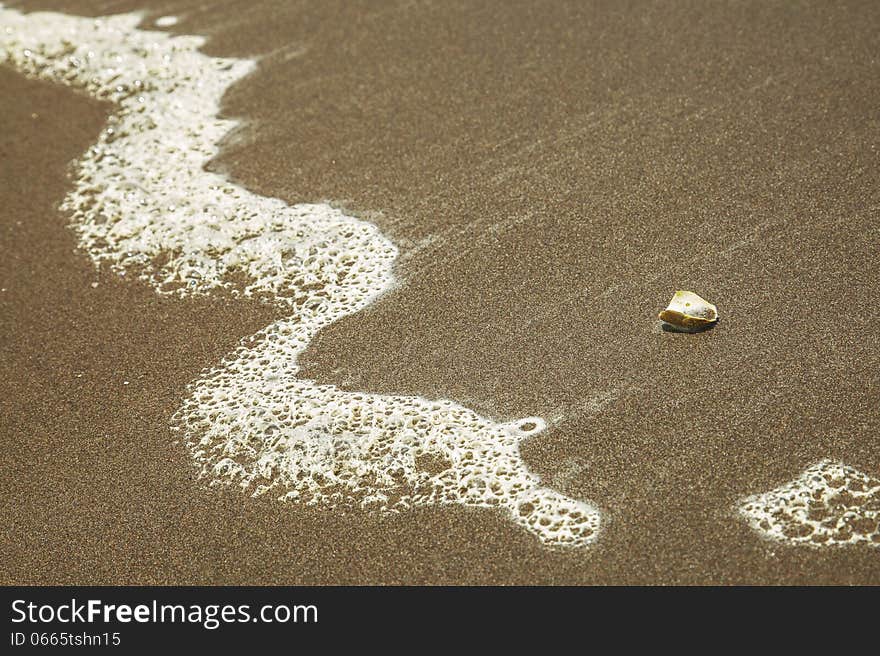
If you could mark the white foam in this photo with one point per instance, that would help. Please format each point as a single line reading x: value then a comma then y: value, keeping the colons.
x: 143, y: 205
x: 829, y: 504
x: 166, y: 21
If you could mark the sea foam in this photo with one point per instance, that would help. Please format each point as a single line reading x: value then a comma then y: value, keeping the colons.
x: 143, y: 204
x: 829, y: 504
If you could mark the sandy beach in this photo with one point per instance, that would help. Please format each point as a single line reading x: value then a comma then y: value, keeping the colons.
x: 551, y: 173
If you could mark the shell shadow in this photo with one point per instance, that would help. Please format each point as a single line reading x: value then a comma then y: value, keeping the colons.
x: 669, y: 328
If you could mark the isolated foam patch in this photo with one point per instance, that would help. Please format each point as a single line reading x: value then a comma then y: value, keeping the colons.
x: 829, y: 504
x: 143, y: 205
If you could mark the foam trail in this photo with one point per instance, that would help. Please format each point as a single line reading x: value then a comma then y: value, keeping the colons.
x: 829, y: 504
x: 143, y: 204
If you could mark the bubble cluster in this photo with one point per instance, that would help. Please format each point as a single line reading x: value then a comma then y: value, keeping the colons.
x: 143, y: 205
x: 829, y: 504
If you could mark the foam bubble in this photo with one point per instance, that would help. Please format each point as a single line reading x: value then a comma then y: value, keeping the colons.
x: 143, y: 204
x: 829, y: 504
x: 166, y: 21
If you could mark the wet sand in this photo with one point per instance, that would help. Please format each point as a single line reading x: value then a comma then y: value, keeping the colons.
x: 551, y: 173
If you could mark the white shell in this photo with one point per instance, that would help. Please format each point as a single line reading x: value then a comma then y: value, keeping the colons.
x: 689, y: 311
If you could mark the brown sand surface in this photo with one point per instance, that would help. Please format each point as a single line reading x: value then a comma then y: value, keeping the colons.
x: 552, y: 173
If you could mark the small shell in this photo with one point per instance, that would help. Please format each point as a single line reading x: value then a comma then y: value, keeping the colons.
x: 688, y: 311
